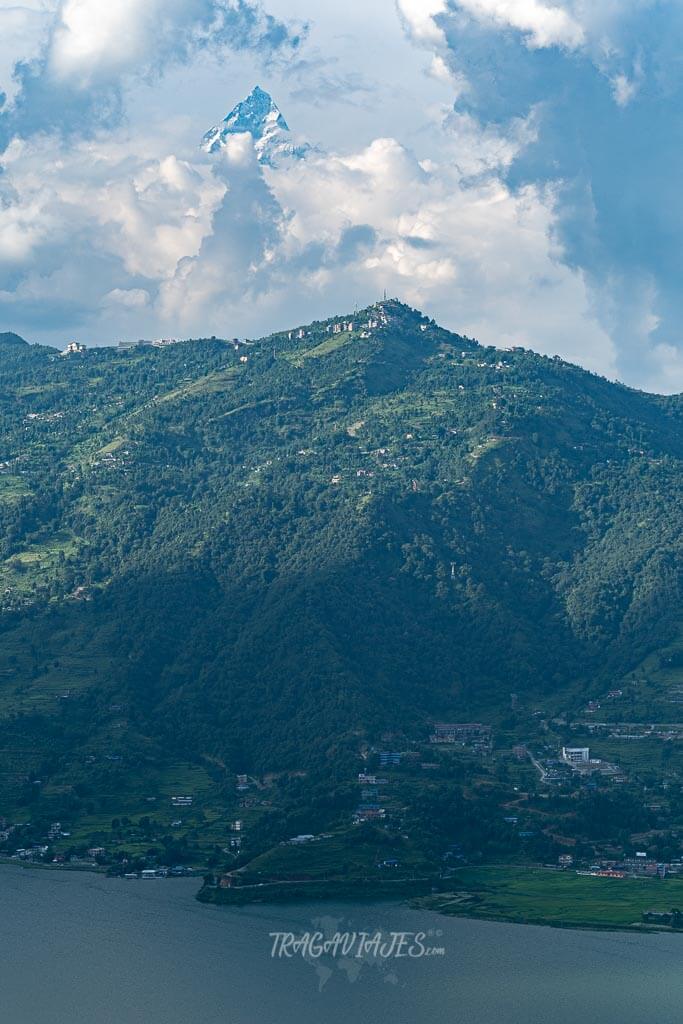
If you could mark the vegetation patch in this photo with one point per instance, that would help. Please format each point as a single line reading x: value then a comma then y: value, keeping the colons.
x: 559, y: 898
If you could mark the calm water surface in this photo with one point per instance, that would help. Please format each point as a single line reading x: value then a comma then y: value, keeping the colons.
x: 82, y: 949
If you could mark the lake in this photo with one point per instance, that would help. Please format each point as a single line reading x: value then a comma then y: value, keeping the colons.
x: 84, y: 949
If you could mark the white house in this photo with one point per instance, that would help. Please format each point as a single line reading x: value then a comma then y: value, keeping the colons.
x: 73, y: 348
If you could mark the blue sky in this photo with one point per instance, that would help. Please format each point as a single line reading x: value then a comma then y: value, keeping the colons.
x: 510, y: 166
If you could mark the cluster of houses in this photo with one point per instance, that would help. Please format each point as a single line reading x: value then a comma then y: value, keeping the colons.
x: 125, y: 346
x: 466, y: 734
x: 370, y: 807
x: 572, y: 762
x: 41, y: 417
x: 474, y: 736
x: 579, y: 759
x: 670, y: 918
x: 638, y: 866
x: 633, y: 730
x: 31, y: 853
x: 594, y: 705
x: 37, y: 851
x: 161, y: 872
x: 108, y: 460
x: 374, y: 322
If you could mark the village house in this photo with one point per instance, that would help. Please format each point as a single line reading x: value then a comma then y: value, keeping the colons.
x: 459, y: 732
x: 73, y: 348
x: 368, y: 812
x: 387, y: 758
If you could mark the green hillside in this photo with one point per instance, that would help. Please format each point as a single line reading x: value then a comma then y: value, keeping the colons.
x: 280, y: 559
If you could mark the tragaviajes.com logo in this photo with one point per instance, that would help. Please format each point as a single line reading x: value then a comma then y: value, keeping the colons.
x: 334, y: 946
x: 360, y: 945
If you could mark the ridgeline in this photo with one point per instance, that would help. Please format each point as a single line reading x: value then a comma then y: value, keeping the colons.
x: 278, y: 559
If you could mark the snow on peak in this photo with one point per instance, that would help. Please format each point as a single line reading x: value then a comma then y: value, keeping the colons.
x: 258, y: 115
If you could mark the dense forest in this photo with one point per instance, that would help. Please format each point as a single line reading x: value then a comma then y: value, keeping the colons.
x: 262, y: 556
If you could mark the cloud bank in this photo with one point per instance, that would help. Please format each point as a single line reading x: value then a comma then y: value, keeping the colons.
x: 535, y: 203
x: 605, y: 84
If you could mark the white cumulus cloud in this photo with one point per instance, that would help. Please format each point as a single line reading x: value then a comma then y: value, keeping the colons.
x: 96, y: 39
x: 114, y: 227
x: 543, y: 24
x: 419, y: 16
x: 337, y: 225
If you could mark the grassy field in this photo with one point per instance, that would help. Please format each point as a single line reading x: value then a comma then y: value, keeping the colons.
x: 12, y: 488
x: 643, y: 755
x: 324, y: 348
x: 562, y: 899
x: 113, y: 446
x: 347, y: 854
x: 67, y: 660
x: 516, y: 894
x: 30, y: 567
x: 212, y: 383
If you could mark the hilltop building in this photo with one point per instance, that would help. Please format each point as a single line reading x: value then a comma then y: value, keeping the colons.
x: 73, y: 348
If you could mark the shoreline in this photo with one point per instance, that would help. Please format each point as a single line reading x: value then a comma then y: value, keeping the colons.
x: 301, y: 892
x: 94, y: 869
x: 416, y: 894
x: 594, y: 907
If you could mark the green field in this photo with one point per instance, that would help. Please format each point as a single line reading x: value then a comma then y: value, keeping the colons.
x: 561, y: 899
x: 323, y: 349
x: 350, y: 854
x: 12, y: 488
x: 212, y: 383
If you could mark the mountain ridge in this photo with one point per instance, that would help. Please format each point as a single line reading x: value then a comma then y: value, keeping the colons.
x: 267, y: 556
x: 10, y: 338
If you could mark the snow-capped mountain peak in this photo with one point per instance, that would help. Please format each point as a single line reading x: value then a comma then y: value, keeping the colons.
x: 260, y: 116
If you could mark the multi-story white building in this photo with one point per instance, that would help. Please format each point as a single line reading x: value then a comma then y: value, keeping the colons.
x: 576, y: 755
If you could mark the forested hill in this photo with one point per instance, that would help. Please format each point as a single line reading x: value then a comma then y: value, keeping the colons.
x: 9, y: 338
x: 271, y: 553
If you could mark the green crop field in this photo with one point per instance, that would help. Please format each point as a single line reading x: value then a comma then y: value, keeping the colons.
x: 565, y: 899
